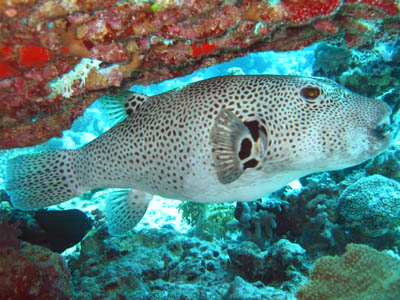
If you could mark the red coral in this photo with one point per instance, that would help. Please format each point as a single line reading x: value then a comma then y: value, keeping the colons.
x: 6, y: 70
x: 5, y: 52
x: 304, y: 11
x: 33, y: 272
x: 32, y: 55
x: 203, y: 49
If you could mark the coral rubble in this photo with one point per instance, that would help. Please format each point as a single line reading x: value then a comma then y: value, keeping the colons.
x: 46, y: 80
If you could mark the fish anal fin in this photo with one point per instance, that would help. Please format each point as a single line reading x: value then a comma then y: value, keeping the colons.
x: 125, y: 209
x: 226, y: 135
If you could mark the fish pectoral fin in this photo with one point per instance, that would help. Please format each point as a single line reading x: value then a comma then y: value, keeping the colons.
x: 125, y: 209
x: 119, y: 106
x: 227, y: 133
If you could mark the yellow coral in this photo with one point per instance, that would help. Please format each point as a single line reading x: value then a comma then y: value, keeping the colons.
x: 360, y: 273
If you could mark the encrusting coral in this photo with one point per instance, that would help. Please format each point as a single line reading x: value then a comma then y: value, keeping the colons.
x: 371, y: 205
x: 28, y: 271
x: 361, y: 273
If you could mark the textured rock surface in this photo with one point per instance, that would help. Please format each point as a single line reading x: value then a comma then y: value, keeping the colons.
x: 143, y: 41
x: 242, y: 290
x: 33, y: 272
x: 164, y: 264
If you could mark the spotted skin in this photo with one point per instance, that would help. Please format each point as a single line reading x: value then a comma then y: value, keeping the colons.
x: 164, y: 146
x: 286, y: 127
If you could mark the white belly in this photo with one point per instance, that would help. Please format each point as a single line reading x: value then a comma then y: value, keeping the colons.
x: 252, y: 185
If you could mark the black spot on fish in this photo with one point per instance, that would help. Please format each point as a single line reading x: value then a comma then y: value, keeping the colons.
x: 252, y: 163
x: 254, y: 128
x: 245, y: 148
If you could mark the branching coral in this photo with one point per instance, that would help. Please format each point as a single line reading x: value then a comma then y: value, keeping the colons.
x: 208, y: 220
x: 255, y: 222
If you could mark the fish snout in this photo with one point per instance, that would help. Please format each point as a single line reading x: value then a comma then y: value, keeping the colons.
x: 381, y: 129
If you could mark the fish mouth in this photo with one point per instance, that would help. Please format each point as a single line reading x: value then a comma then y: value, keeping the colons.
x: 382, y: 133
x: 383, y: 128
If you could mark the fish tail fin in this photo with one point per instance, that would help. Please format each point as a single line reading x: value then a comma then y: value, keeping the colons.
x: 38, y: 180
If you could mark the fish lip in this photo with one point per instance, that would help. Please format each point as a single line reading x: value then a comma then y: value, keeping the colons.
x: 383, y: 127
x: 381, y: 133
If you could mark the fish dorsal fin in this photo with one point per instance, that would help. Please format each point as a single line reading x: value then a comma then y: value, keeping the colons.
x: 134, y: 102
x: 120, y: 106
x: 234, y: 148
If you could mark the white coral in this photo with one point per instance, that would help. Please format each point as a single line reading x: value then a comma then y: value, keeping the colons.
x: 64, y: 84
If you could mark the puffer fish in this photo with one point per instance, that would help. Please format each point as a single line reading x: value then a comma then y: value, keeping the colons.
x: 228, y: 138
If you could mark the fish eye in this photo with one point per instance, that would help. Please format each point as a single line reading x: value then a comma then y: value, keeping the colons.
x: 310, y: 92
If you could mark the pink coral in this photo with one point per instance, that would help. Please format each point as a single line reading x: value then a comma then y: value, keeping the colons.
x: 304, y: 11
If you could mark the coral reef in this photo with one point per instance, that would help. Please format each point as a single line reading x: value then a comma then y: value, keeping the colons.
x: 333, y: 209
x: 283, y: 262
x: 9, y: 233
x: 28, y: 271
x: 361, y: 273
x: 208, y: 221
x: 388, y: 163
x: 242, y: 290
x: 256, y: 222
x: 371, y: 205
x: 45, y: 43
x: 310, y: 217
x: 379, y: 67
x: 165, y: 264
